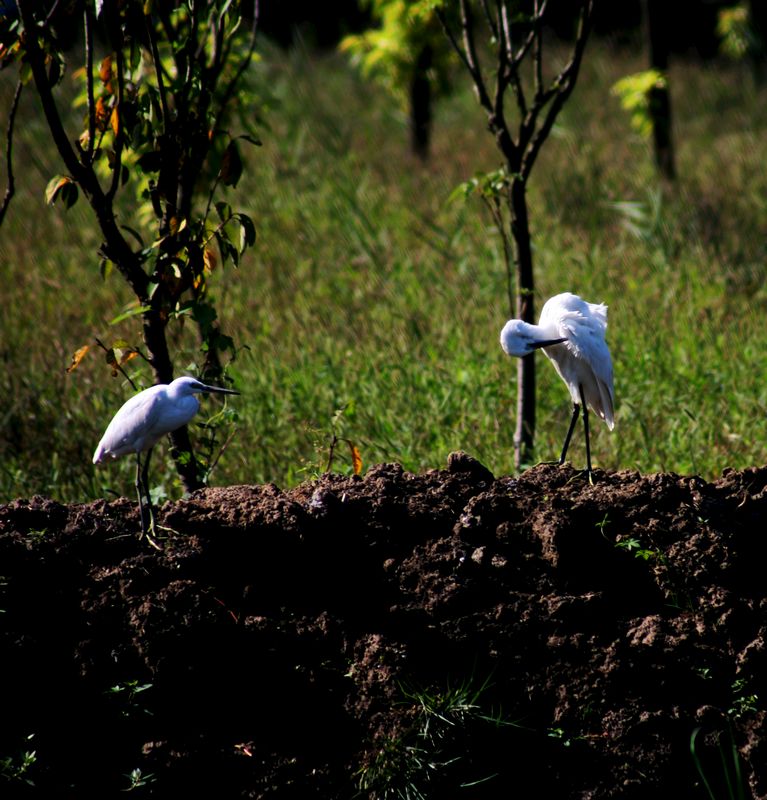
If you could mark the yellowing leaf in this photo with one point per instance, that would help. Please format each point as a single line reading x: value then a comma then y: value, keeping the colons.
x: 114, y: 121
x: 176, y: 226
x: 61, y: 187
x: 356, y: 459
x: 128, y: 355
x: 102, y: 114
x: 105, y: 71
x: 209, y: 258
x: 54, y: 187
x: 111, y: 359
x: 77, y: 357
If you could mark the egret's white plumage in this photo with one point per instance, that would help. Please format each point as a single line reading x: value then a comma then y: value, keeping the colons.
x: 144, y: 419
x: 571, y: 333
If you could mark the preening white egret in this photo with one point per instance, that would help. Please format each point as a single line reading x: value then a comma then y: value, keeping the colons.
x: 144, y: 420
x: 571, y: 332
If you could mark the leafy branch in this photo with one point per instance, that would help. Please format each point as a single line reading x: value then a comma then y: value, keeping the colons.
x: 154, y: 110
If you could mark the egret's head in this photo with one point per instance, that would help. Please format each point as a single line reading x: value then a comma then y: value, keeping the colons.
x: 186, y: 386
x: 519, y: 338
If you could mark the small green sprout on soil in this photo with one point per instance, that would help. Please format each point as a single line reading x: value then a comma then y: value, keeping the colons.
x: 138, y: 779
x: 633, y: 545
x: 16, y: 767
x: 743, y: 700
x: 127, y: 693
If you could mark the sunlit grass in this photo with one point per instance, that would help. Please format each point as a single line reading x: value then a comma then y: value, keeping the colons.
x: 368, y: 291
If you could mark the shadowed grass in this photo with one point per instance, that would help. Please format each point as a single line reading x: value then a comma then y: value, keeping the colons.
x: 368, y: 291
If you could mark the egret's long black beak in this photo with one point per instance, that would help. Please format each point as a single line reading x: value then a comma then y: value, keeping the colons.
x: 547, y: 343
x: 219, y: 390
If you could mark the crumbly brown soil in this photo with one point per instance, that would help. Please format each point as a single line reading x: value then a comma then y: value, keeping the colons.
x: 286, y: 644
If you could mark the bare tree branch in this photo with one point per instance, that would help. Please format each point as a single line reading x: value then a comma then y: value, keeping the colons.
x: 491, y: 23
x: 158, y: 72
x: 453, y: 40
x: 503, y: 74
x: 11, y: 188
x: 52, y: 116
x: 525, y: 46
x: 561, y: 88
x: 53, y: 10
x: 519, y: 92
x: 467, y: 32
x: 505, y: 30
x: 538, y: 51
x: 119, y: 140
x: 89, y: 82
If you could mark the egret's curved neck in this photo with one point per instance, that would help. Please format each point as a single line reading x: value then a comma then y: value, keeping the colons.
x: 544, y: 332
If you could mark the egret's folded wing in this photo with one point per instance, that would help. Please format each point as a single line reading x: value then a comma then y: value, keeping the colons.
x: 132, y: 425
x: 586, y: 341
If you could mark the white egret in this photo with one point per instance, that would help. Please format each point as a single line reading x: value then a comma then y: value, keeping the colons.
x: 571, y: 333
x: 144, y: 420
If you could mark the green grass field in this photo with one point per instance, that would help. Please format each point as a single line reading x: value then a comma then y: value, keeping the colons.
x: 368, y: 291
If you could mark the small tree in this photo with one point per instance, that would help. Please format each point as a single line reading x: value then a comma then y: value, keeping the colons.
x: 646, y: 95
x: 156, y: 108
x: 659, y: 96
x: 409, y: 56
x: 743, y: 32
x: 516, y: 61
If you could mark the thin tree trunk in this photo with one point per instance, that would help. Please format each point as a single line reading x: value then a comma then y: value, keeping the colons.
x: 157, y: 344
x: 660, y: 99
x: 757, y: 11
x: 420, y: 104
x: 524, y: 433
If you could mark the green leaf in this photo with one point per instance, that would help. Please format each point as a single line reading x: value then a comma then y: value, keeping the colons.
x: 130, y: 313
x: 251, y: 139
x: 105, y: 268
x: 25, y: 72
x: 134, y: 233
x: 224, y: 211
x: 224, y: 342
x: 135, y: 55
x: 247, y: 232
x: 231, y: 165
x: 204, y: 314
x: 461, y: 192
x: 634, y: 92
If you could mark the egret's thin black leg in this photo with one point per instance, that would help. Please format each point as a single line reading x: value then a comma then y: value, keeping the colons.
x: 139, y: 493
x: 145, y: 481
x: 586, y: 430
x: 145, y: 509
x: 573, y: 420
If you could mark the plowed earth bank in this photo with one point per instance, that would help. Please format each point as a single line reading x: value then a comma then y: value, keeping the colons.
x: 444, y: 633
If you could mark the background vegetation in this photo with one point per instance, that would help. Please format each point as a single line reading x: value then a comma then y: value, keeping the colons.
x: 369, y: 291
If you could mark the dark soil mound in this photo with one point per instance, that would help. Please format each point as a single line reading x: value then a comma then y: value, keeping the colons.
x: 446, y: 634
